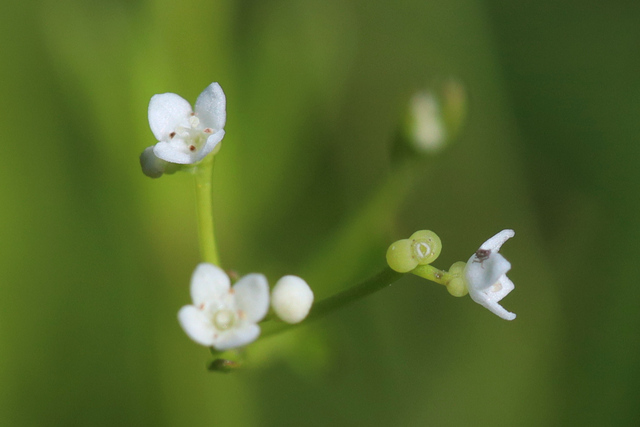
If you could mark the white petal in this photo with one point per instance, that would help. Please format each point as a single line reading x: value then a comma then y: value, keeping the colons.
x: 211, y: 107
x: 494, y: 243
x: 152, y: 166
x: 173, y: 152
x: 482, y: 298
x: 252, y: 296
x: 291, y: 299
x: 483, y: 274
x: 210, y: 145
x: 196, y: 325
x: 208, y: 283
x: 237, y: 337
x: 504, y: 285
x: 166, y: 112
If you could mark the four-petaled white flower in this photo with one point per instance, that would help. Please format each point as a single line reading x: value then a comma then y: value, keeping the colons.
x: 486, y: 275
x: 184, y: 136
x: 222, y: 316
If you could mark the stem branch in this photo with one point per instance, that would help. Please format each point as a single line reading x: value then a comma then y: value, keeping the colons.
x: 328, y: 305
x: 204, y: 200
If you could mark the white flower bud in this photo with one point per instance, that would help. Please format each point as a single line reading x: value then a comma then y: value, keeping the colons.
x: 291, y: 299
x: 152, y: 166
x: 428, y: 132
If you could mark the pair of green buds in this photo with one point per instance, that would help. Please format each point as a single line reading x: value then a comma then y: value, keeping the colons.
x: 422, y: 248
x: 415, y: 255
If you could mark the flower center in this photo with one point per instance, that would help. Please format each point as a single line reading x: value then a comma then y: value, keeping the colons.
x: 224, y: 319
x: 193, y: 135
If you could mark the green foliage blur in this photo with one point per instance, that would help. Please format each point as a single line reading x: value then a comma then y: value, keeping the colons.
x: 95, y: 258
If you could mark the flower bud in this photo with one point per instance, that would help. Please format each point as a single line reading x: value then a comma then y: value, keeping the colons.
x: 423, y: 247
x: 426, y: 128
x: 291, y: 299
x: 454, y: 107
x: 433, y: 118
x: 154, y: 167
x: 457, y: 286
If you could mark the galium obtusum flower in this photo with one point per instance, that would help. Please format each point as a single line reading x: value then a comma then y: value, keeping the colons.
x: 222, y: 316
x: 184, y: 136
x: 486, y: 275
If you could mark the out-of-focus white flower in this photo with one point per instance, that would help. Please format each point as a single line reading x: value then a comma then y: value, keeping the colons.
x: 221, y: 316
x: 428, y: 128
x: 291, y: 299
x: 486, y: 275
x: 184, y: 137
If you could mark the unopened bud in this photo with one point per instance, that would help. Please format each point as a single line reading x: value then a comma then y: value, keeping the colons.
x: 457, y: 285
x: 154, y: 167
x: 291, y: 299
x: 434, y: 117
x: 423, y: 247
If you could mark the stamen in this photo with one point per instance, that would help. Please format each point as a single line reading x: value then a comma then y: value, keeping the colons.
x: 208, y: 130
x: 192, y: 147
x: 172, y: 134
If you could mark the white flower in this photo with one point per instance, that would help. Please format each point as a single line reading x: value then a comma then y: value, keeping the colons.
x: 221, y: 316
x: 428, y: 131
x: 185, y: 137
x: 486, y: 275
x: 291, y: 299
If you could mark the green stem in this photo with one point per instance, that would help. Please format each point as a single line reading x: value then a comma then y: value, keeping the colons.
x: 431, y: 273
x: 328, y: 305
x: 204, y: 200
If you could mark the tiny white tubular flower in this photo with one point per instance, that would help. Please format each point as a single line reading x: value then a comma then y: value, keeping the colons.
x: 185, y: 137
x: 291, y: 299
x: 486, y: 275
x: 222, y: 316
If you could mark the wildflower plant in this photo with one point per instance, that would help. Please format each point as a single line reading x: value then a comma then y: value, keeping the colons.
x: 226, y: 316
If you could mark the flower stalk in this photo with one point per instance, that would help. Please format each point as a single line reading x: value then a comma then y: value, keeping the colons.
x: 204, y: 201
x: 429, y: 272
x: 335, y: 302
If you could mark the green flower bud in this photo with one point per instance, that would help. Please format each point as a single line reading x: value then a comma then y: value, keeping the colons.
x: 422, y: 248
x: 454, y: 107
x: 223, y: 365
x: 457, y: 285
x: 399, y: 256
x: 426, y: 246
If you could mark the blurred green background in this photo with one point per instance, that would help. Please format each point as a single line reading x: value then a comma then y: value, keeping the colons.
x: 96, y: 258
